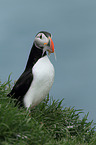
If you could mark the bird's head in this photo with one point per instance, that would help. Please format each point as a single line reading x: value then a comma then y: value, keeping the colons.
x: 43, y: 41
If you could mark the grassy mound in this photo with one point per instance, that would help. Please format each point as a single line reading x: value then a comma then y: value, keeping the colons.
x: 48, y: 123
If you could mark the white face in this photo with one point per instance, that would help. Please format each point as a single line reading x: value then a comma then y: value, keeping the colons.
x: 40, y: 40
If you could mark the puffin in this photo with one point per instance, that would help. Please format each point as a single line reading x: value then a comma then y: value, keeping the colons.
x: 36, y: 81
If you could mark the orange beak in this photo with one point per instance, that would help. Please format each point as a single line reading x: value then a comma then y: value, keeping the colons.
x: 50, y: 44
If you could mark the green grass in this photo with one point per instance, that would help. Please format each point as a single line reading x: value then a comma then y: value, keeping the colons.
x: 48, y: 123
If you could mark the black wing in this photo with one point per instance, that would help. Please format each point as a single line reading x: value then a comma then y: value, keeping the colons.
x: 21, y: 87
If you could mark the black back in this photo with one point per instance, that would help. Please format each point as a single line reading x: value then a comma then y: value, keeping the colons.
x: 23, y: 83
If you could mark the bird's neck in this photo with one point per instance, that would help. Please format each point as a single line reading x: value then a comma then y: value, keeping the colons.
x: 35, y: 54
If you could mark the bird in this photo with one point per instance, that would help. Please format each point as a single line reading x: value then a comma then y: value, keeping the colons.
x: 37, y: 79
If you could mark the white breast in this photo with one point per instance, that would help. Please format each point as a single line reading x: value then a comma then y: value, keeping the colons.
x: 43, y: 77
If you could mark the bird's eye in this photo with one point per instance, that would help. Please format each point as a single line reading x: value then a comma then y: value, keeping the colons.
x: 40, y: 36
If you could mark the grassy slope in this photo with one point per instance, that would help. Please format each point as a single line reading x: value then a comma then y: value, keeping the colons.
x: 48, y: 123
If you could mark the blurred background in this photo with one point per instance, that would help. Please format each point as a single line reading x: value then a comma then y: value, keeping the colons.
x: 73, y: 27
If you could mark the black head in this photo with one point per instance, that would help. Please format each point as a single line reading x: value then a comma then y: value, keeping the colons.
x: 47, y: 34
x: 44, y: 42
